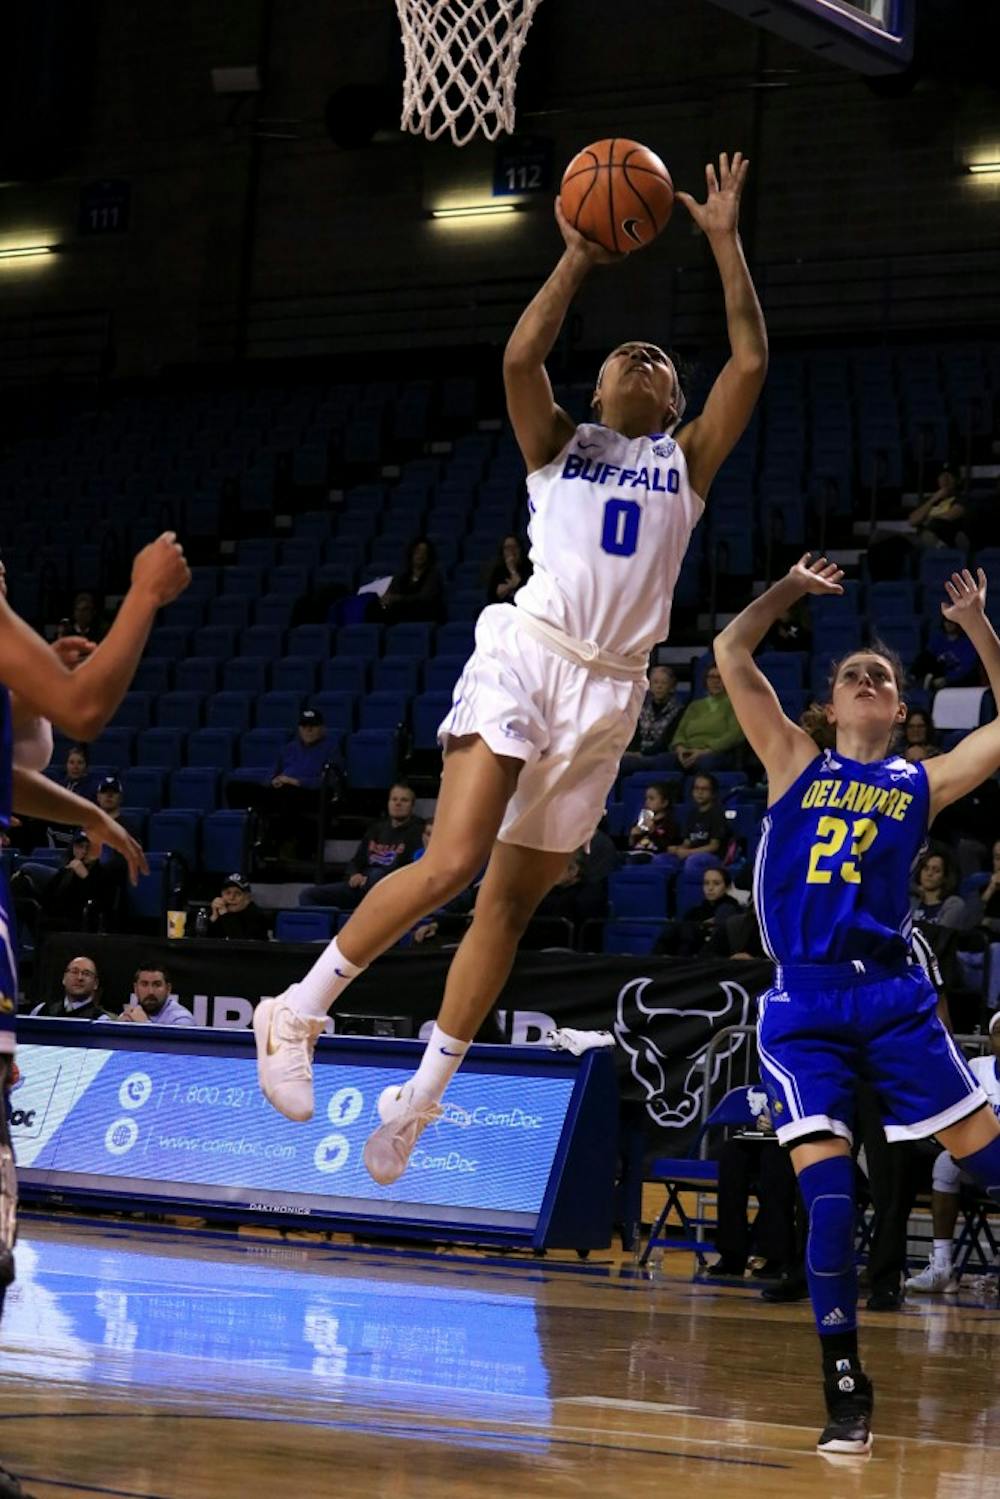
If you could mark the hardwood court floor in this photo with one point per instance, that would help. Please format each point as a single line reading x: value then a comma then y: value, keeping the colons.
x: 159, y: 1365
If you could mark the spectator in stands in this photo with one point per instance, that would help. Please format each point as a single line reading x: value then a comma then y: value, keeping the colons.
x: 919, y: 742
x: 703, y: 829
x: 948, y: 1180
x: 416, y: 592
x: 574, y: 898
x: 78, y: 779
x: 658, y: 718
x: 737, y: 937
x: 950, y: 659
x: 233, y: 914
x: 80, y: 997
x: 934, y: 899
x: 751, y: 1160
x: 510, y: 571
x: 656, y: 830
x: 288, y: 801
x: 937, y: 521
x: 152, y: 1001
x: 792, y: 631
x: 84, y: 617
x: 387, y: 844
x: 983, y: 908
x: 81, y: 896
x: 109, y: 797
x: 688, y: 936
x: 708, y: 735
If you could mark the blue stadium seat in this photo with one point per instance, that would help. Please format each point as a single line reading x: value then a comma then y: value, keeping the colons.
x: 176, y: 831
x: 168, y: 641
x: 313, y: 641
x: 372, y: 759
x: 135, y: 711
x: 148, y: 901
x: 274, y: 609
x: 455, y: 640
x: 395, y: 674
x: 186, y: 613
x: 279, y: 710
x: 384, y: 710
x: 161, y: 747
x: 225, y: 842
x: 441, y: 674
x: 114, y: 747
x: 230, y: 710
x: 294, y: 674
x: 142, y: 786
x: 259, y: 749
x: 413, y: 640
x: 136, y: 820
x: 903, y: 636
x: 307, y: 924
x: 361, y: 641
x: 245, y: 674
x: 212, y: 747
x: 292, y: 581
x: 232, y: 609
x: 938, y: 565
x: 179, y: 710
x: 263, y: 640
x: 427, y: 712
x: 344, y: 674
x: 891, y: 599
x: 784, y: 670
x: 466, y: 604
x: 197, y: 674
x: 339, y: 710
x: 631, y: 937
x: 639, y: 890
x: 215, y: 641
x: 195, y: 786
x: 153, y: 674
x: 242, y: 579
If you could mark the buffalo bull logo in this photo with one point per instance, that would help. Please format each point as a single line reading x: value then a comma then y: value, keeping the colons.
x: 666, y: 1047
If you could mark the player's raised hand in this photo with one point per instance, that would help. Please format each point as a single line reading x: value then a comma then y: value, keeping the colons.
x: 72, y: 649
x: 102, y: 830
x: 720, y: 213
x: 818, y: 576
x: 162, y: 569
x: 596, y: 254
x: 967, y: 595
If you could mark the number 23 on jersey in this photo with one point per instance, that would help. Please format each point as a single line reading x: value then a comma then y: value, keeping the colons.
x: 828, y: 851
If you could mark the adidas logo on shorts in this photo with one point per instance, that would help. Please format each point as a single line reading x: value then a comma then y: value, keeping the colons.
x: 835, y: 1318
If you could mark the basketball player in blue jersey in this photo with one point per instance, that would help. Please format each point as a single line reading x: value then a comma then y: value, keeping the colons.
x: 831, y: 886
x: 549, y: 699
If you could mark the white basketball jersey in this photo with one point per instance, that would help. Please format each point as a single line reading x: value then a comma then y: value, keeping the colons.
x: 985, y: 1069
x: 609, y: 523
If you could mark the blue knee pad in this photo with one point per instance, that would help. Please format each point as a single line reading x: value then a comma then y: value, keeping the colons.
x: 827, y: 1188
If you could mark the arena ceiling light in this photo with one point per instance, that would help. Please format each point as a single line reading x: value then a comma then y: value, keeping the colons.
x: 984, y: 168
x: 25, y: 252
x: 474, y: 211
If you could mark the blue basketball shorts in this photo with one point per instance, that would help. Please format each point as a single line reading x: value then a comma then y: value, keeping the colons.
x: 824, y: 1028
x: 8, y: 971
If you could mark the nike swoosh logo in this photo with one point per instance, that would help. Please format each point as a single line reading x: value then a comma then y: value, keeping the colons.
x: 446, y: 1053
x: 628, y: 227
x: 585, y: 447
x: 340, y: 972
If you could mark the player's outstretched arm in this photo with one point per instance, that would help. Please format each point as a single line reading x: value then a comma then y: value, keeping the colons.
x: 710, y: 438
x: 541, y: 427
x: 977, y: 756
x: 81, y: 702
x: 783, y: 748
x: 36, y: 796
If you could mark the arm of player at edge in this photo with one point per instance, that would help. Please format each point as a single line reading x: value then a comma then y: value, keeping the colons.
x: 541, y: 427
x: 783, y: 747
x: 977, y: 756
x: 80, y: 702
x: 708, y: 440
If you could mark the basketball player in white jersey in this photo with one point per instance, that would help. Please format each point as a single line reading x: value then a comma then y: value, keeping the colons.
x: 550, y: 697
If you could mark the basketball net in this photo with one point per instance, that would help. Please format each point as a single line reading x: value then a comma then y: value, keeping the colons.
x: 461, y: 60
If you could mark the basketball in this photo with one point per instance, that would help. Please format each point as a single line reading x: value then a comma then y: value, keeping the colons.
x: 618, y: 193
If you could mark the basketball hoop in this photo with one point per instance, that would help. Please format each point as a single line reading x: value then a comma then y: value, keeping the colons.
x: 461, y: 61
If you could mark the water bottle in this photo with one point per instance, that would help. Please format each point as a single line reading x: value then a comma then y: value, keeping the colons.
x: 645, y: 820
x: 201, y: 922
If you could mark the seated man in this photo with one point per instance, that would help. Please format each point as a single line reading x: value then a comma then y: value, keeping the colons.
x: 233, y: 914
x: 708, y: 736
x: 948, y: 1180
x: 288, y: 801
x: 151, y: 1000
x: 80, y: 998
x: 387, y: 844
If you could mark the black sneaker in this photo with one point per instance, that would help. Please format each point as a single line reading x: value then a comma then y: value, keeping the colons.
x: 790, y: 1286
x: 849, y: 1400
x: 731, y: 1269
x: 885, y: 1301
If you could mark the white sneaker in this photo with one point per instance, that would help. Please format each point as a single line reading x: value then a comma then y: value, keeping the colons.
x: 934, y: 1280
x: 286, y: 1041
x: 387, y: 1151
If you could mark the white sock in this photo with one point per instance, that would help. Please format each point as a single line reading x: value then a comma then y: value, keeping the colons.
x: 326, y: 981
x: 941, y: 1257
x: 438, y: 1065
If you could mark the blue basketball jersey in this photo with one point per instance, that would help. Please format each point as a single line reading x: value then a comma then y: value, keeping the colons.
x: 832, y: 873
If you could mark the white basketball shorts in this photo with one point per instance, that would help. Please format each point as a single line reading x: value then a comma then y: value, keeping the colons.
x: 568, y: 724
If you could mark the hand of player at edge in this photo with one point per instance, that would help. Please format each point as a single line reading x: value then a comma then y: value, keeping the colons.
x: 967, y: 595
x: 820, y: 576
x: 720, y: 213
x: 576, y: 242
